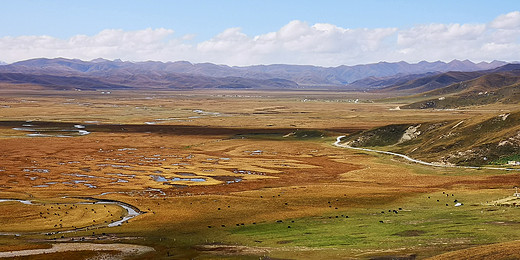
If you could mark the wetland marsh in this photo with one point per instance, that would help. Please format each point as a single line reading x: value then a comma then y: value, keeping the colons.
x: 227, y: 175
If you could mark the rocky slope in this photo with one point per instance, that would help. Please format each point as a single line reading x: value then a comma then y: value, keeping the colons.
x: 474, y: 142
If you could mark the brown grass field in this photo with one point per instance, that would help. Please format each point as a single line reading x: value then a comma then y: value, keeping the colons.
x: 237, y: 175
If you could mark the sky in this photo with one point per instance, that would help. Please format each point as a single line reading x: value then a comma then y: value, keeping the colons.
x: 249, y: 32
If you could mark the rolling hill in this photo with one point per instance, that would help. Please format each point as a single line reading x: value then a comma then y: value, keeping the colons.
x: 144, y: 81
x: 474, y: 142
x: 432, y: 82
x: 498, y: 86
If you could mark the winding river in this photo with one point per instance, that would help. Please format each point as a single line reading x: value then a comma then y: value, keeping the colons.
x: 131, y: 212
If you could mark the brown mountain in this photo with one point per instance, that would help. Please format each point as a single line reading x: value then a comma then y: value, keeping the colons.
x: 427, y: 83
x: 157, y: 73
x: 501, y: 85
x: 379, y: 84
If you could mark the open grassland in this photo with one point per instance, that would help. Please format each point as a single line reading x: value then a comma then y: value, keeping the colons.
x: 221, y: 175
x: 306, y: 109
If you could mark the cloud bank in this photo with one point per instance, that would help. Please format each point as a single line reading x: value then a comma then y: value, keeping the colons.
x: 295, y: 43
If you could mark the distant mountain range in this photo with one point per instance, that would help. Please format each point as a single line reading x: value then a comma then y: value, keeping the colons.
x: 500, y: 85
x: 63, y: 73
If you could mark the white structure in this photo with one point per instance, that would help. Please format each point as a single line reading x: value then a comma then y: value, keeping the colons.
x: 513, y: 163
x: 516, y: 194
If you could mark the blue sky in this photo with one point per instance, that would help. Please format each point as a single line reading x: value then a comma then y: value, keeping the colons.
x: 65, y: 18
x: 194, y: 25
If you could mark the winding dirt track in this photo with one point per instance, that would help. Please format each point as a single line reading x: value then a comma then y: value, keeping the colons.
x: 338, y: 140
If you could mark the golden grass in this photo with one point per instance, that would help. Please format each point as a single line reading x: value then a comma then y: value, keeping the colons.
x: 35, y: 218
x: 499, y: 251
x: 280, y: 178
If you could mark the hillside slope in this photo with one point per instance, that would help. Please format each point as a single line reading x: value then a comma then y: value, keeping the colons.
x: 376, y: 84
x: 428, y: 83
x: 491, y: 87
x: 468, y: 142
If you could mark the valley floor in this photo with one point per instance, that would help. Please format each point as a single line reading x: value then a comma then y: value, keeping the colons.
x: 222, y: 175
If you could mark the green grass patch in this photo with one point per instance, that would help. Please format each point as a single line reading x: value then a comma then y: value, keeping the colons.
x: 506, y: 159
x: 422, y: 223
x: 295, y: 135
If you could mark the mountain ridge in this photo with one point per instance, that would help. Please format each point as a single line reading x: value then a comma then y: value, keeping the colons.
x: 500, y: 85
x: 303, y: 75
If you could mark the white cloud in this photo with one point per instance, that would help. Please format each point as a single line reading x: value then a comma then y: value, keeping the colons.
x: 441, y: 42
x: 295, y: 43
x: 507, y: 21
x: 440, y: 34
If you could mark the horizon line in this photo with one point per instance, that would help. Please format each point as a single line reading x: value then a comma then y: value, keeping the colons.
x: 100, y: 59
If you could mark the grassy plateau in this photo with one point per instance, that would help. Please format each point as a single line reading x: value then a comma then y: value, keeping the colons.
x: 238, y: 175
